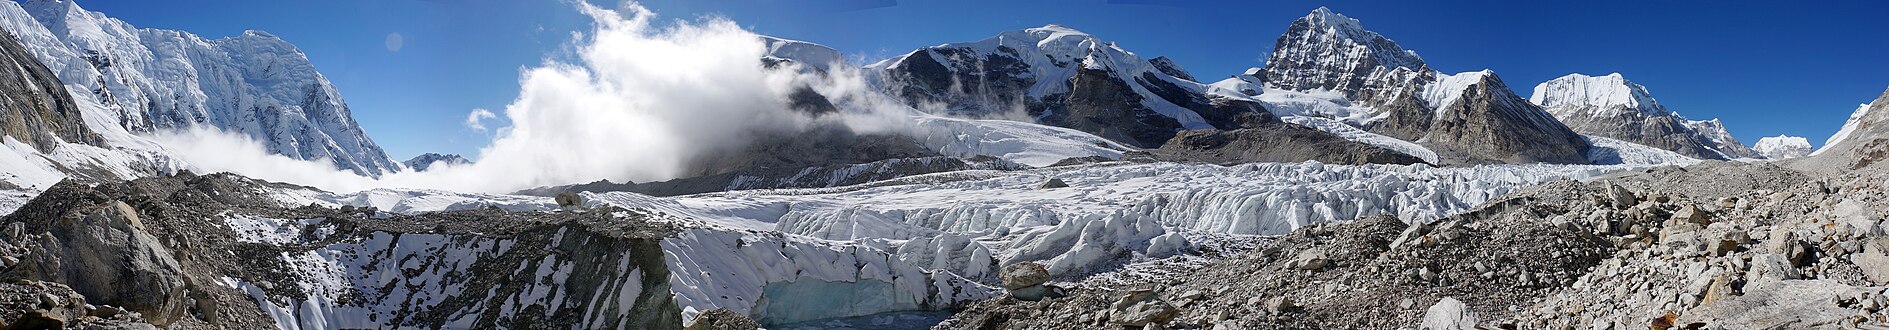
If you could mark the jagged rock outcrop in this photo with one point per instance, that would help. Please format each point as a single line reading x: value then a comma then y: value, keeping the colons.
x: 1329, y: 51
x: 36, y: 108
x: 1611, y: 106
x: 253, y: 84
x: 1166, y: 65
x: 428, y: 160
x: 1467, y: 118
x: 1058, y: 76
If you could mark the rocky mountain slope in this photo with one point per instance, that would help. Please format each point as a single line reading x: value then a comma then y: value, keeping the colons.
x: 1384, y: 89
x: 1782, y: 147
x: 1861, y: 143
x: 253, y: 84
x: 1613, y: 107
x: 36, y: 108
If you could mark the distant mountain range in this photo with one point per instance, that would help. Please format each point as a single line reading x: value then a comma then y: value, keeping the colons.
x: 1332, y: 91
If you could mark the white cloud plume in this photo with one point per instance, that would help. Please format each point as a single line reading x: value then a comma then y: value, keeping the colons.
x: 476, y: 118
x: 639, y: 102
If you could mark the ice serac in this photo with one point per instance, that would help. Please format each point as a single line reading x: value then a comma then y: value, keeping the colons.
x: 253, y: 84
x: 1613, y: 107
x: 1783, y: 147
x: 1327, y: 65
x: 1059, y: 76
x: 36, y: 107
x: 811, y: 54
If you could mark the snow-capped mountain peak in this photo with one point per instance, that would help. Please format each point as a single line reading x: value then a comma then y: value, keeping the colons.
x: 1327, y: 50
x: 1596, y: 93
x: 145, y: 80
x: 1783, y: 146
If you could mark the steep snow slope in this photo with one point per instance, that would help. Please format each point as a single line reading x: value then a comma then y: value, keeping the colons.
x: 1849, y: 126
x: 1355, y: 134
x: 1608, y: 151
x: 152, y: 79
x: 1783, y: 147
x: 1611, y: 92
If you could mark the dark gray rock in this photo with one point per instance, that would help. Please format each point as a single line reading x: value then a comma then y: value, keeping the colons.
x: 427, y: 160
x: 37, y: 108
x: 1166, y: 65
x: 1278, y: 142
x: 1490, y: 124
x: 105, y: 252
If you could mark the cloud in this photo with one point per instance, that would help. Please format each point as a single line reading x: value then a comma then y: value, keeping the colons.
x: 636, y: 102
x: 395, y: 42
x: 475, y: 119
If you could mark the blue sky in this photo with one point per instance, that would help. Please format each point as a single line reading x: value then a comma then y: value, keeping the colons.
x: 1765, y: 68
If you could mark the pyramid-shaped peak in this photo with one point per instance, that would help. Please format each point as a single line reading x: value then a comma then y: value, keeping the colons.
x: 1327, y: 50
x: 1326, y: 17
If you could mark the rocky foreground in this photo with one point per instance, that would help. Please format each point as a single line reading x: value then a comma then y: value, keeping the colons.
x: 1713, y: 246
x: 189, y: 252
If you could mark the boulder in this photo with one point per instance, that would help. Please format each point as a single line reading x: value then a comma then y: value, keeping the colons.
x: 1053, y: 183
x: 1621, y: 197
x: 104, y: 252
x: 1691, y: 213
x: 1023, y: 275
x: 569, y: 199
x: 1875, y: 266
x: 1449, y: 314
x: 1142, y: 308
x: 1279, y: 304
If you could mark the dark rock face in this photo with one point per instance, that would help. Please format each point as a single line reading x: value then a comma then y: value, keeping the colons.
x: 165, y: 247
x: 1166, y: 65
x: 1100, y: 104
x: 1490, y: 124
x: 1664, y: 132
x: 966, y: 82
x: 1274, y: 143
x: 36, y: 110
x: 1096, y: 87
